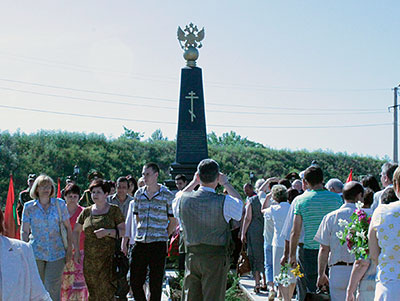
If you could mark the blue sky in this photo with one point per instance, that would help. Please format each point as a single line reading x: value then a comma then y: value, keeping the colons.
x: 288, y: 74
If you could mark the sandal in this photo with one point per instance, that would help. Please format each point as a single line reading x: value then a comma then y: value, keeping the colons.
x: 257, y: 289
x: 271, y: 295
x: 264, y: 288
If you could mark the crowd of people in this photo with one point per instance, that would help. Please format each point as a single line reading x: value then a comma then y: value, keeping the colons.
x: 289, y: 225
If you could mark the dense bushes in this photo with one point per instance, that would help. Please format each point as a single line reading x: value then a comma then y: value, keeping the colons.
x: 56, y: 153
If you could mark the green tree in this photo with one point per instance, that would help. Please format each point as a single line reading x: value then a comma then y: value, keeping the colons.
x: 131, y: 134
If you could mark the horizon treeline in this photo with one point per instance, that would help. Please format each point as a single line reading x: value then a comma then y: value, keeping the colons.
x: 55, y: 153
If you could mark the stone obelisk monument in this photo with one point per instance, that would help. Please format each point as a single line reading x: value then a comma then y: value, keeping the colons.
x: 191, y: 144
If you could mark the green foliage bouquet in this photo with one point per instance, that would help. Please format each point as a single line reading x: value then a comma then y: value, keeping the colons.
x: 355, y: 234
x: 284, y: 277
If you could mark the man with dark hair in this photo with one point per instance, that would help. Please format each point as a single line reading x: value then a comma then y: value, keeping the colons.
x: 248, y: 190
x: 152, y: 208
x: 86, y: 198
x: 331, y: 252
x: 24, y: 195
x: 389, y: 196
x: 309, y: 210
x: 181, y: 182
x: 387, y: 172
x: 205, y: 217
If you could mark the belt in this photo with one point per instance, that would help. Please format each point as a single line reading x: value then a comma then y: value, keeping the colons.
x: 343, y: 263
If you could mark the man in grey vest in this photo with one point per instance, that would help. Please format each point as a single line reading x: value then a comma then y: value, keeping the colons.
x: 205, y: 216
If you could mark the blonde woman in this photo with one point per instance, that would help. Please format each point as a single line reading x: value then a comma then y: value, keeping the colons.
x: 41, y: 228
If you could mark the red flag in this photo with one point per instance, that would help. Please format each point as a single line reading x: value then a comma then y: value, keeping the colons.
x: 11, y: 219
x: 350, y: 177
x: 58, y: 188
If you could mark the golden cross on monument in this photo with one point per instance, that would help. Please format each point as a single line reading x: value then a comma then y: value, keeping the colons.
x: 191, y: 97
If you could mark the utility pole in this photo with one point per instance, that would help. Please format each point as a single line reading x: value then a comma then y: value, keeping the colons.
x: 395, y: 127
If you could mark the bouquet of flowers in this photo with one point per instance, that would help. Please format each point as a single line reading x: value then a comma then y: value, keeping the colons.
x: 355, y: 232
x: 284, y: 277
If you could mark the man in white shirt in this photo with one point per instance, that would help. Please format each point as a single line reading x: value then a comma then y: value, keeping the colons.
x: 331, y: 252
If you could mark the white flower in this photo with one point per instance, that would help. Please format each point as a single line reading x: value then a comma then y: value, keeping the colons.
x: 361, y: 235
x: 343, y: 222
x: 339, y: 234
x: 359, y: 205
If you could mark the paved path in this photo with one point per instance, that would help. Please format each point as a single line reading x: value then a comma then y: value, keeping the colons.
x: 247, y: 283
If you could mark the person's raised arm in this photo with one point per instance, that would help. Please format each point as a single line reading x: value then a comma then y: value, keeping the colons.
x: 224, y: 181
x: 192, y: 185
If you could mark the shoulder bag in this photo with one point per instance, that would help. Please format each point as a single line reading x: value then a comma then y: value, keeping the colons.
x: 120, y: 261
x: 243, y: 265
x: 63, y: 230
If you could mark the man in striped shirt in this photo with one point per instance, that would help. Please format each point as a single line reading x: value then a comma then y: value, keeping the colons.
x: 310, y: 208
x: 155, y: 222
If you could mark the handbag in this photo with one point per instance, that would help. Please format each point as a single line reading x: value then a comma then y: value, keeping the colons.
x: 243, y: 265
x: 63, y: 230
x: 322, y: 294
x: 120, y: 261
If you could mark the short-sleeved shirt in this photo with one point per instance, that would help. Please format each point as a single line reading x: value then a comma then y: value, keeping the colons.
x: 288, y: 225
x: 90, y: 223
x: 277, y: 215
x: 386, y: 221
x: 312, y: 206
x: 45, y: 236
x: 113, y: 199
x: 153, y: 214
x: 327, y: 230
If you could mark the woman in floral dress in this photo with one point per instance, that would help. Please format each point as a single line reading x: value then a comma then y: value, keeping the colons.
x: 99, y: 222
x: 73, y: 286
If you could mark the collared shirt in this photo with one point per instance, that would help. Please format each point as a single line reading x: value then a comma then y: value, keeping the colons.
x: 153, y: 214
x: 288, y: 225
x: 312, y: 206
x: 386, y: 221
x: 130, y: 224
x: 326, y: 234
x: 277, y: 215
x: 113, y: 199
x: 233, y: 207
x: 45, y: 236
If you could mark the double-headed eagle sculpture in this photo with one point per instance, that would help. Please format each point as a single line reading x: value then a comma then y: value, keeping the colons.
x: 190, y: 39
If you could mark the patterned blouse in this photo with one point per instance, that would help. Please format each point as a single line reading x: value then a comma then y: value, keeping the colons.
x: 45, y: 235
x: 386, y: 220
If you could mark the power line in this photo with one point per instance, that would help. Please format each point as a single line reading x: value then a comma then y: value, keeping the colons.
x: 261, y: 87
x: 174, y: 108
x: 170, y: 100
x: 174, y: 123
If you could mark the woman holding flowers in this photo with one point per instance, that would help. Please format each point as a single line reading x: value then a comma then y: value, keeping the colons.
x: 384, y: 246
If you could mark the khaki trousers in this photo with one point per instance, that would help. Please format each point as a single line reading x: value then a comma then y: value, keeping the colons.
x: 205, y: 276
x: 50, y: 272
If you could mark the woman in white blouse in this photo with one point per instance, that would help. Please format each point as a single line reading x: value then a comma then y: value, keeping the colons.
x: 384, y: 246
x: 19, y: 276
x: 276, y: 214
